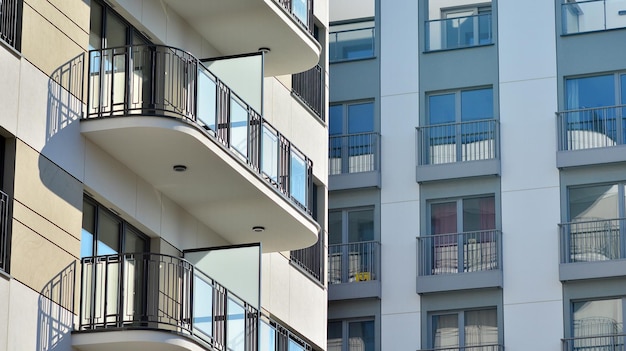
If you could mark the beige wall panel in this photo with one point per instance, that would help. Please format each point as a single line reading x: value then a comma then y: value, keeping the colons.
x: 69, y: 241
x: 71, y: 17
x: 207, y: 238
x: 9, y: 89
x: 106, y: 176
x: 276, y: 293
x: 47, y: 190
x: 45, y: 45
x: 33, y: 106
x: 320, y: 10
x: 178, y: 227
x: 307, y: 311
x: 35, y: 261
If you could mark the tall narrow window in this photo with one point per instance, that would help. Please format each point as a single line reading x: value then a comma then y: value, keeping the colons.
x: 462, y: 329
x: 352, y: 142
x: 598, y: 324
x: 466, y: 24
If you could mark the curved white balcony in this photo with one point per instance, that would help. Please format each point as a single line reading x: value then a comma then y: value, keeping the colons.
x: 154, y: 107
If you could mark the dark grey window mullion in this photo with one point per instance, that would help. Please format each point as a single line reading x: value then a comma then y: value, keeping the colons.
x: 460, y: 264
x: 457, y: 129
x: 621, y: 211
x: 345, y: 261
x: 461, y: 328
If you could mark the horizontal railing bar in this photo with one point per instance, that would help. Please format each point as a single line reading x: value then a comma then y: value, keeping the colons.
x: 458, y: 18
x: 494, y: 120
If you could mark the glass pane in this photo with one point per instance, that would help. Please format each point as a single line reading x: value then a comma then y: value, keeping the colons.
x: 207, y: 99
x: 300, y: 10
x: 269, y: 153
x: 95, y: 27
x: 476, y: 104
x: 235, y: 326
x: 202, y: 306
x: 134, y: 242
x: 351, y: 41
x: 89, y: 227
x: 267, y: 337
x: 599, y: 317
x: 441, y: 109
x: 298, y: 179
x: 479, y: 214
x: 294, y: 346
x: 334, y: 227
x: 334, y: 336
x: 238, y: 127
x: 361, y: 336
x: 481, y: 327
x: 361, y: 118
x: 360, y: 225
x: 443, y: 218
x: 335, y: 122
x: 116, y: 31
x: 590, y: 92
x: 108, y: 234
x: 593, y: 203
x: 446, y: 331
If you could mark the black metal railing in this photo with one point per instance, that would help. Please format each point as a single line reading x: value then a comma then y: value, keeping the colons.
x: 353, y: 262
x: 309, y: 87
x: 459, y: 252
x: 458, y: 142
x: 590, y: 128
x: 459, y: 32
x: 163, y: 81
x: 353, y: 153
x: 609, y: 342
x: 11, y: 22
x: 491, y: 347
x: 276, y: 337
x: 301, y: 11
x: 590, y: 241
x: 311, y: 259
x: 156, y: 291
x: 591, y: 15
x: 4, y: 232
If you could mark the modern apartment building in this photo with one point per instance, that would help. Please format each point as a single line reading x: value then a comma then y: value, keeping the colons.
x: 164, y: 175
x: 476, y: 175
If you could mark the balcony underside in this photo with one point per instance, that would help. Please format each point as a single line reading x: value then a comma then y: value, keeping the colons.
x: 217, y: 188
x: 433, y: 172
x: 592, y: 270
x: 133, y: 340
x: 459, y: 281
x: 240, y: 26
x: 592, y: 156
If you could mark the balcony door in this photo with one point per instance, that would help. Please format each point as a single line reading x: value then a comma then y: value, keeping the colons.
x: 351, y: 248
x: 595, y: 115
x: 351, y: 147
x: 463, y: 233
x: 596, y: 228
x: 460, y: 126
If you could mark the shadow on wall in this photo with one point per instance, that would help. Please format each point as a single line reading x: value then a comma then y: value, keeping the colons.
x: 63, y: 151
x: 55, y: 317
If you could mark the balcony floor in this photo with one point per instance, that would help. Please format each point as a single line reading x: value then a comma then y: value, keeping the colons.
x: 133, y: 340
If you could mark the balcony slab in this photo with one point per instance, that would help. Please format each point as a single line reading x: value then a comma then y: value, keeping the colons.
x: 459, y: 281
x: 591, y: 270
x: 133, y: 340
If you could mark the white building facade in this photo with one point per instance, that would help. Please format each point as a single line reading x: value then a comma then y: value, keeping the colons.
x: 496, y: 190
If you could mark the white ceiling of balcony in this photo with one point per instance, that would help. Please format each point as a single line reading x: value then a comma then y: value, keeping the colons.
x: 242, y: 26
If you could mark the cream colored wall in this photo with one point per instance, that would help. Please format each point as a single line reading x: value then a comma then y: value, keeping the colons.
x: 293, y: 299
x: 291, y: 118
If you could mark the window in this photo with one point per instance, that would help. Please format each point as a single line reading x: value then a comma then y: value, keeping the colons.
x: 11, y: 23
x: 596, y: 224
x: 5, y: 232
x: 464, y: 328
x: 597, y: 325
x: 594, y: 116
x: 463, y: 236
x: 456, y: 27
x: 460, y: 126
x: 104, y: 233
x: 578, y: 16
x: 274, y: 337
x: 351, y: 41
x: 352, y: 141
x: 352, y: 251
x: 351, y: 335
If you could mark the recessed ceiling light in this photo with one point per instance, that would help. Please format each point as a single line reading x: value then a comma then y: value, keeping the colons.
x: 264, y: 50
x: 179, y: 168
x: 258, y: 229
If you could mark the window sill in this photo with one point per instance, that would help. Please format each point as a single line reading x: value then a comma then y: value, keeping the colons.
x: 353, y: 60
x: 459, y: 48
